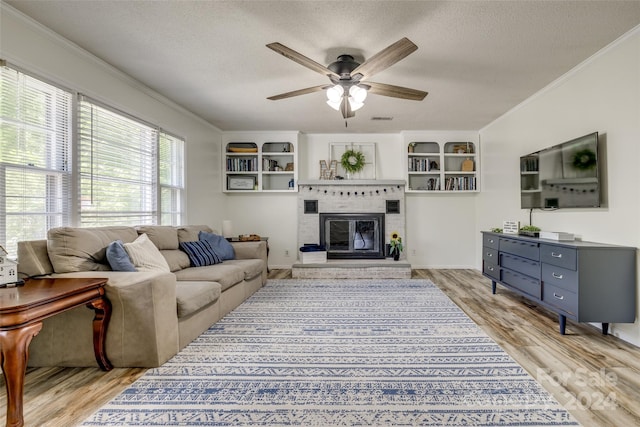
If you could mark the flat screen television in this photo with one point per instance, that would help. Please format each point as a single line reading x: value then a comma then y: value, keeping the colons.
x: 563, y: 176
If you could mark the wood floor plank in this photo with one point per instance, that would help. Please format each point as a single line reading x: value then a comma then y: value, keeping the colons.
x: 579, y: 369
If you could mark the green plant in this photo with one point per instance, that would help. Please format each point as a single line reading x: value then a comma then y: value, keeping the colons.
x: 395, y: 243
x: 352, y: 161
x: 529, y: 228
x: 496, y: 230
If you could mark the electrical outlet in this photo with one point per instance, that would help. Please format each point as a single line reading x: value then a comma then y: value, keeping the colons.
x: 286, y: 252
x: 413, y: 252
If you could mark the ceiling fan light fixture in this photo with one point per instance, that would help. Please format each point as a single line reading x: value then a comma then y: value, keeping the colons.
x: 355, y: 105
x: 334, y: 104
x: 358, y: 94
x: 334, y: 93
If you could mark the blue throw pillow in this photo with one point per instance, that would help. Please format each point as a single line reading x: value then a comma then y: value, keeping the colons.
x: 118, y: 257
x: 219, y: 244
x: 200, y: 253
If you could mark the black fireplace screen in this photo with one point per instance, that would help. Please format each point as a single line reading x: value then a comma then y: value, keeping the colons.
x: 352, y: 235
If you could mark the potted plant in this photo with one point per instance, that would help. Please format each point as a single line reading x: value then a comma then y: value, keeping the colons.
x: 529, y: 230
x: 395, y: 246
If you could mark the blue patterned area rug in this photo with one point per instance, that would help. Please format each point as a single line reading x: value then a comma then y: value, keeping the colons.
x: 339, y: 352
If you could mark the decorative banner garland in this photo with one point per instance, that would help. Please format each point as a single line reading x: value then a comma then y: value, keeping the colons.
x: 352, y: 161
x: 344, y: 192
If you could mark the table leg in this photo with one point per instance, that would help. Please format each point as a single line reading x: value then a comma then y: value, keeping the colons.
x: 102, y: 307
x: 14, y: 354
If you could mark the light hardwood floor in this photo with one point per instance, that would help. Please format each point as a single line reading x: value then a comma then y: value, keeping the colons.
x: 596, y: 377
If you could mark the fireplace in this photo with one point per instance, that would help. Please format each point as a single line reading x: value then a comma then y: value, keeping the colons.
x: 353, y: 235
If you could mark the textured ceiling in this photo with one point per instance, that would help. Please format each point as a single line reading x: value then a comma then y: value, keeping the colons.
x: 477, y: 59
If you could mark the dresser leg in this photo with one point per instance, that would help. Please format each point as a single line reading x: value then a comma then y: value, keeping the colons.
x: 605, y: 329
x: 563, y: 323
x: 493, y: 287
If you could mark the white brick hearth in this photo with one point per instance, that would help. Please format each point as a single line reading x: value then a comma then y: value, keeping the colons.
x: 350, y: 196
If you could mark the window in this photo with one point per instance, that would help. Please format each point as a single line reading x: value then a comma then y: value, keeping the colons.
x: 171, y: 179
x: 117, y: 168
x: 35, y: 160
x: 127, y: 172
x: 131, y: 173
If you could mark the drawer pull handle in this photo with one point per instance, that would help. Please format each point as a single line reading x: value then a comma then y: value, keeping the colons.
x: 491, y: 240
x: 490, y: 268
x: 555, y: 255
x: 557, y: 276
x: 558, y: 296
x: 489, y: 254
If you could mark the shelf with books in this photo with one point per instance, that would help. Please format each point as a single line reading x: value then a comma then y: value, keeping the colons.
x: 434, y: 166
x: 269, y: 158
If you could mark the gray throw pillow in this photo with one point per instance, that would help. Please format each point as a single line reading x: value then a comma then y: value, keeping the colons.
x: 118, y: 257
x: 219, y: 244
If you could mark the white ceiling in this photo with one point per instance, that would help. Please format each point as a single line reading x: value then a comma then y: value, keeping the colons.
x: 477, y: 59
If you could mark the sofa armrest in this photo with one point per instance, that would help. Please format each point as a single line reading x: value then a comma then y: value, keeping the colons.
x: 251, y: 250
x: 142, y: 332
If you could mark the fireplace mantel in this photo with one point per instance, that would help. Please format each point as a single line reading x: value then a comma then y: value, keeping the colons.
x: 318, y: 182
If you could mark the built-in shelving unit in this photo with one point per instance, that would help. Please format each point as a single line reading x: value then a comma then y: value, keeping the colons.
x: 530, y: 191
x: 441, y: 166
x: 260, y: 162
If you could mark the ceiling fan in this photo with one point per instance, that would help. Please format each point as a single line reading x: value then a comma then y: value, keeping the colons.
x: 349, y: 79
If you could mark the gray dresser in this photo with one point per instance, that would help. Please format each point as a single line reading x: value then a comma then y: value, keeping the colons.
x: 581, y: 281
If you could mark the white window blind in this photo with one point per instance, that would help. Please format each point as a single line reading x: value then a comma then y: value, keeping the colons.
x: 35, y: 161
x: 171, y: 179
x: 117, y: 161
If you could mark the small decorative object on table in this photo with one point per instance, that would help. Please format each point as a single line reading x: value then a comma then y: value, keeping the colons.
x: 395, y: 246
x: 510, y: 227
x: 248, y: 238
x: 529, y: 231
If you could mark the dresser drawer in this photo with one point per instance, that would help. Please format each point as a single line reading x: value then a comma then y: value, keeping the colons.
x: 524, y: 283
x: 521, y: 248
x: 561, y: 277
x: 558, y: 255
x: 521, y: 265
x: 490, y: 241
x: 491, y: 269
x: 490, y: 255
x: 560, y: 298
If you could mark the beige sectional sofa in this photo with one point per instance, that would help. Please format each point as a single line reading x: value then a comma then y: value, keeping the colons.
x: 154, y: 313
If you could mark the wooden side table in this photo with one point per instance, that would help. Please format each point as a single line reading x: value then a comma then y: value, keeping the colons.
x: 22, y: 310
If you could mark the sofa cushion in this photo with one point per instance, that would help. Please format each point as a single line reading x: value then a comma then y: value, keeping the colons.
x: 189, y: 233
x: 33, y: 258
x: 145, y: 255
x: 163, y: 236
x: 227, y: 275
x: 118, y: 257
x: 200, y: 253
x: 176, y: 258
x: 250, y: 267
x: 74, y: 249
x: 192, y: 296
x: 219, y: 244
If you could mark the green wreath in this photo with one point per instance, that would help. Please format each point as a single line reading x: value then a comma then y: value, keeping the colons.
x: 584, y: 159
x: 352, y: 161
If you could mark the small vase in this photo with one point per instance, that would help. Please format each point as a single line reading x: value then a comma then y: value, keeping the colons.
x: 396, y: 256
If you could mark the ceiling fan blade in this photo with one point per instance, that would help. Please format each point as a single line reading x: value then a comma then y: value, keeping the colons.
x: 395, y: 91
x: 301, y: 59
x: 298, y: 92
x: 345, y: 107
x: 386, y: 57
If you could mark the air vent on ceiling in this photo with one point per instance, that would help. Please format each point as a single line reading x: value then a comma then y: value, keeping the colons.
x: 381, y: 118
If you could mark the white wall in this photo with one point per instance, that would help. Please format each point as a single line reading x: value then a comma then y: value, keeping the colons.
x: 603, y: 95
x: 36, y: 49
